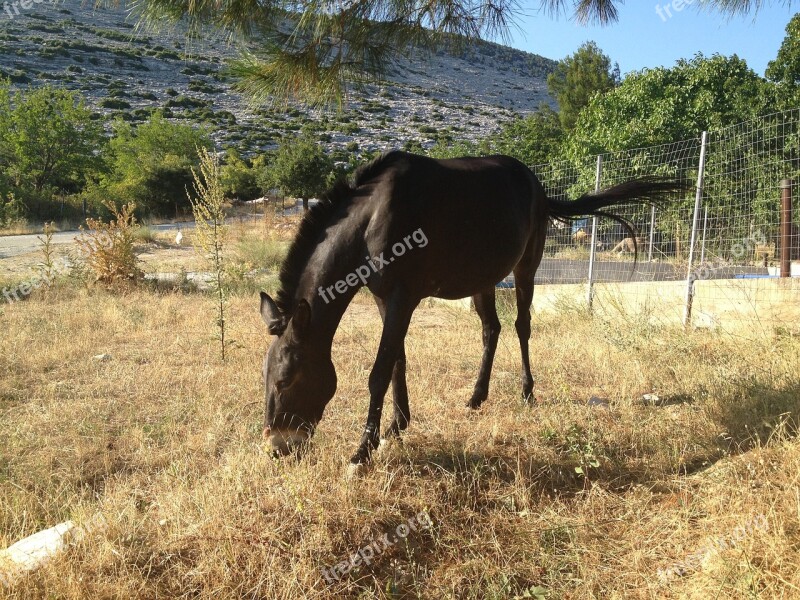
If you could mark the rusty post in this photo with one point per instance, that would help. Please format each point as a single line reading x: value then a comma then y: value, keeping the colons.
x: 786, y: 227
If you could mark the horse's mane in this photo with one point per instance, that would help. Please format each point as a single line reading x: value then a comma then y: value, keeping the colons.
x: 316, y: 220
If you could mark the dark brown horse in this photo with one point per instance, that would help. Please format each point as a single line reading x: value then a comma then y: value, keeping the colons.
x: 409, y: 227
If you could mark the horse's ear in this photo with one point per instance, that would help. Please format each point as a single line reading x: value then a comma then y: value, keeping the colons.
x: 271, y: 315
x: 301, y: 317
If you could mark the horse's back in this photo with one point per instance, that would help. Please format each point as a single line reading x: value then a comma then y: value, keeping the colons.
x: 475, y: 213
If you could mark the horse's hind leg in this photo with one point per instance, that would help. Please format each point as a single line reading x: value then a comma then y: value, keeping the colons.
x: 524, y: 273
x: 402, y: 414
x: 485, y: 307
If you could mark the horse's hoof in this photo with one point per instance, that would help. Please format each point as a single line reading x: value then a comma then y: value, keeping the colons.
x: 476, y: 401
x: 356, y: 470
x: 388, y: 448
x: 382, y: 449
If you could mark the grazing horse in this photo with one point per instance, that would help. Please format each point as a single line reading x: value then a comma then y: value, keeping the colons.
x: 409, y: 227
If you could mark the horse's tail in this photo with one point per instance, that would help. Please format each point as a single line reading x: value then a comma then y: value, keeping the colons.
x: 643, y: 191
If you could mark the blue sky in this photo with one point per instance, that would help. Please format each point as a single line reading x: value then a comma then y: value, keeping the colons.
x: 641, y: 38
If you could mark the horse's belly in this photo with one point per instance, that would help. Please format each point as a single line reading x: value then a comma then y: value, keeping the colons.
x: 468, y: 279
x: 452, y: 290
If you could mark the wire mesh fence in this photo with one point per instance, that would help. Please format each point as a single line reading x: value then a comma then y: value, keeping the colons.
x: 711, y: 256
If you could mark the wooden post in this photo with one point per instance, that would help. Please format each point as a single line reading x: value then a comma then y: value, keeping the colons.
x: 593, y: 243
x: 786, y: 227
x: 698, y: 198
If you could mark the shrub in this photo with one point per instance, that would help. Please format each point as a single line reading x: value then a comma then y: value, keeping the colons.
x: 12, y: 211
x: 108, y: 248
x: 144, y: 234
x: 351, y: 129
x: 16, y: 76
x: 198, y: 85
x: 185, y: 102
x: 114, y: 103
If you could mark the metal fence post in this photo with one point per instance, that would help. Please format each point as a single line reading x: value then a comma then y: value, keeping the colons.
x: 593, y: 243
x: 703, y: 239
x: 652, y: 232
x: 698, y: 198
x: 786, y: 228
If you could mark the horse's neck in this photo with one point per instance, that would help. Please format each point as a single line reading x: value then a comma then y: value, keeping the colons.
x: 326, y: 287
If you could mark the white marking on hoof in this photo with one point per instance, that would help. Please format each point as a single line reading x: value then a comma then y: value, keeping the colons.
x: 384, y: 448
x: 356, y: 471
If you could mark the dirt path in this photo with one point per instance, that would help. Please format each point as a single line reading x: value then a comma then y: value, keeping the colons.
x: 14, y: 245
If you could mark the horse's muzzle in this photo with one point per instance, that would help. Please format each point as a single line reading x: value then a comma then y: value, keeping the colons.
x: 284, y: 441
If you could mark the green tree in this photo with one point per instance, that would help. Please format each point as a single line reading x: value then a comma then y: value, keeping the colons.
x: 49, y: 139
x: 152, y: 163
x: 300, y: 169
x: 443, y: 149
x: 663, y: 106
x: 785, y: 69
x: 578, y: 78
x: 534, y: 140
x: 237, y: 178
x: 786, y: 66
x: 5, y: 135
x: 659, y: 106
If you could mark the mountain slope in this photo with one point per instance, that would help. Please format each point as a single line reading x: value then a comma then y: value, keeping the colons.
x: 130, y: 73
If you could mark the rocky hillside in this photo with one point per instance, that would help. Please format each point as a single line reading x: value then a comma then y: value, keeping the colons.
x: 127, y: 72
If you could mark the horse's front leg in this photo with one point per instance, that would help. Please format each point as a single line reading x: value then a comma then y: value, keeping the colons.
x: 395, y: 326
x: 402, y: 414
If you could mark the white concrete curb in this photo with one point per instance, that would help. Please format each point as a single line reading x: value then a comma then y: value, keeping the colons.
x: 32, y: 552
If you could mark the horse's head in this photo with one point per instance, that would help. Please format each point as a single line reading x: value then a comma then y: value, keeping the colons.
x: 299, y: 377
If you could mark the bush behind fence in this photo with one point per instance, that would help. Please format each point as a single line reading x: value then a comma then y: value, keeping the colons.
x: 736, y: 229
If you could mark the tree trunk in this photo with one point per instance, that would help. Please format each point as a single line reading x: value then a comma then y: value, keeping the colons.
x: 305, y: 204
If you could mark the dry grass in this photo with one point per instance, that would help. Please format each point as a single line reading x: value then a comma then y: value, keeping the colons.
x: 163, y: 439
x: 25, y: 227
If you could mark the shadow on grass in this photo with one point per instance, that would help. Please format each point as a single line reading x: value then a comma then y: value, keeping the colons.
x: 758, y: 416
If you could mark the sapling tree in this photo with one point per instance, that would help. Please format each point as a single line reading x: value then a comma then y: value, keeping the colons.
x: 208, y: 206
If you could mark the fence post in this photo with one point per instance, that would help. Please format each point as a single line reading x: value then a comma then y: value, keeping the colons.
x: 786, y: 228
x: 698, y: 197
x: 593, y: 243
x: 652, y: 232
x: 703, y: 239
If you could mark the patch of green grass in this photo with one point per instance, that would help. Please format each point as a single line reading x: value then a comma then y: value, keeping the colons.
x: 261, y: 253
